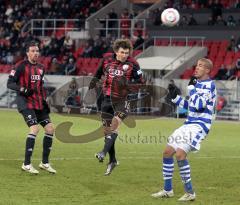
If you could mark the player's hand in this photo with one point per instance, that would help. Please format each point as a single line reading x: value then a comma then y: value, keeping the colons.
x: 93, y: 83
x: 26, y: 92
x: 193, y: 81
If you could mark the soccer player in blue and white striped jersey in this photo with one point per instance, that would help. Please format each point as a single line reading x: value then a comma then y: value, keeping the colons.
x: 200, y: 105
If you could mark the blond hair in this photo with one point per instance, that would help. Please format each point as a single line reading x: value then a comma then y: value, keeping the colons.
x: 208, y: 63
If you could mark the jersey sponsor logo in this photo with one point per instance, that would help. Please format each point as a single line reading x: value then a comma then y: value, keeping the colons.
x: 35, y: 78
x: 114, y: 72
x: 125, y: 67
x: 139, y: 72
x: 12, y: 73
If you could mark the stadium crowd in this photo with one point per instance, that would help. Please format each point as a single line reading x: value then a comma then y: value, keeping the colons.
x: 60, y: 53
x: 216, y: 9
x: 15, y: 14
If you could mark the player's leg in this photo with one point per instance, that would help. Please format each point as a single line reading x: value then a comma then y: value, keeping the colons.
x: 31, y: 120
x: 106, y: 115
x: 185, y: 173
x: 111, y: 136
x: 167, y: 171
x: 107, y: 131
x: 110, y: 144
x: 121, y: 109
x: 44, y: 120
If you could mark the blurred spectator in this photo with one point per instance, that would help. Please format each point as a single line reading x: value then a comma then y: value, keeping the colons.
x: 157, y: 17
x: 183, y: 21
x: 70, y: 68
x: 203, y: 3
x: 88, y: 51
x: 105, y: 25
x: 231, y: 71
x: 237, y: 4
x: 193, y: 5
x: 9, y: 59
x: 221, y: 102
x: 68, y: 43
x: 125, y: 23
x: 221, y: 73
x: 210, y: 22
x: 56, y: 68
x: 238, y: 44
x: 113, y: 15
x: 232, y: 44
x: 192, y: 21
x: 238, y: 64
x: 138, y: 42
x: 231, y: 21
x: 220, y: 21
x: 92, y: 8
x: 216, y: 8
x: 73, y: 97
x: 173, y: 90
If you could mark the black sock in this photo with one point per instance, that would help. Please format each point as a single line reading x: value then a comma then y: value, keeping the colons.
x: 109, y: 141
x: 47, y: 146
x: 30, y: 142
x: 112, y: 157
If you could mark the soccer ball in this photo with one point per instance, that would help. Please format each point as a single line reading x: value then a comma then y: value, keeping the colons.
x: 170, y: 17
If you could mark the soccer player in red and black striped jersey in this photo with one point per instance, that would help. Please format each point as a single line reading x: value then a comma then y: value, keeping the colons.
x: 122, y: 76
x: 27, y: 80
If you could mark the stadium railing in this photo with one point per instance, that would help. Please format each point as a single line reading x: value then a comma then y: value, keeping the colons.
x: 45, y: 27
x: 131, y: 30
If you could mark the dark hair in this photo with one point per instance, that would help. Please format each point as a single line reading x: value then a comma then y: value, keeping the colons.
x: 30, y: 44
x: 122, y: 43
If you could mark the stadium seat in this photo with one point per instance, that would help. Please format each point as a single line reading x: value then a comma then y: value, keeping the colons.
x: 136, y: 52
x: 187, y: 73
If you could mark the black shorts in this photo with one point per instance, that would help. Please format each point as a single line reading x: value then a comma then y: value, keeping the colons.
x: 111, y: 108
x: 34, y: 117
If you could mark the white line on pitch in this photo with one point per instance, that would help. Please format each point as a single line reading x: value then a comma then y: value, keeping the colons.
x: 92, y: 158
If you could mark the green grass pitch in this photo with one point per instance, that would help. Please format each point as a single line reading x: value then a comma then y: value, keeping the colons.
x: 80, y: 180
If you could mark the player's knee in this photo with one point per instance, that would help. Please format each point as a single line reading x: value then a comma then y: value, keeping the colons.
x: 116, y: 121
x: 49, y: 129
x: 180, y: 155
x: 106, y: 130
x: 34, y: 129
x: 168, y: 152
